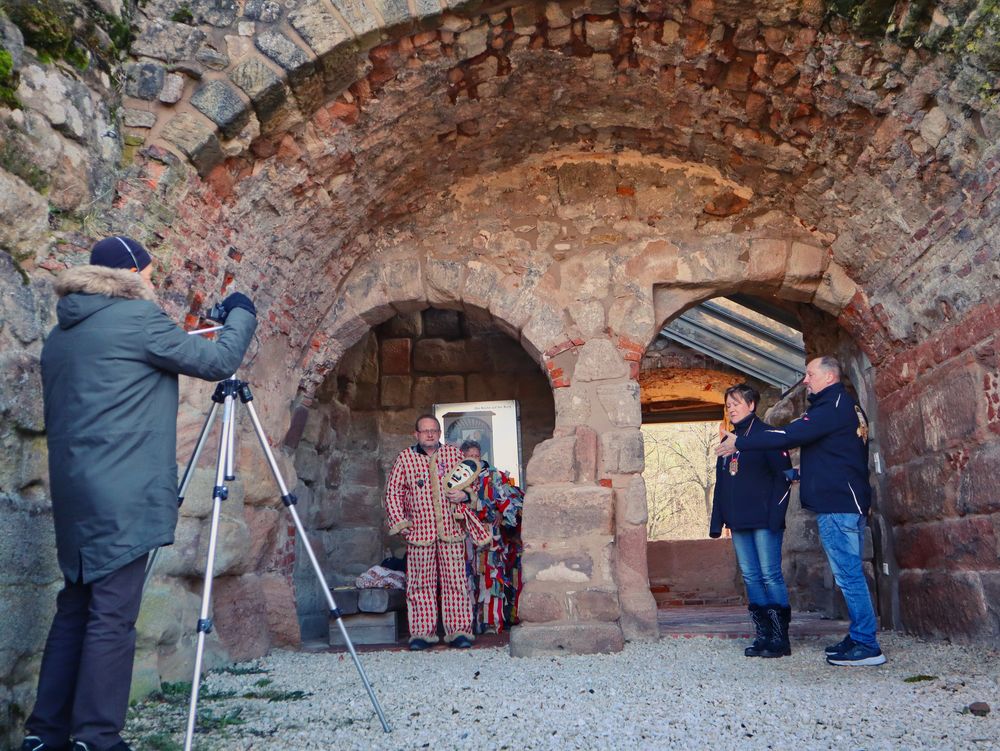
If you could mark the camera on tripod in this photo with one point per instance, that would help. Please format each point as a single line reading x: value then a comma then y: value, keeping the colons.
x: 217, y: 313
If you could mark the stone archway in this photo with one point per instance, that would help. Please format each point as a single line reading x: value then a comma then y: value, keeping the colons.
x: 363, y: 414
x: 806, y: 571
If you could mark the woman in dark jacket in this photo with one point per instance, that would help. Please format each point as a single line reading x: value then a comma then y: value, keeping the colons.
x: 751, y: 498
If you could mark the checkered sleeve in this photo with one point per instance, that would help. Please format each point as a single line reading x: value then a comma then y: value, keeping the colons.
x: 396, y: 494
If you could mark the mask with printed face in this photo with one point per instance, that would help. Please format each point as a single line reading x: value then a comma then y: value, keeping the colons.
x: 462, y: 474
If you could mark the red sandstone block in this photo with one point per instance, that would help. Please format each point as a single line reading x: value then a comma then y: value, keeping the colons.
x: 938, y: 604
x: 949, y: 544
x: 288, y: 150
x: 322, y: 119
x: 979, y: 490
x: 424, y: 38
x: 197, y: 301
x: 950, y: 398
x: 630, y: 345
x: 903, y: 436
x: 558, y: 348
x: 395, y: 357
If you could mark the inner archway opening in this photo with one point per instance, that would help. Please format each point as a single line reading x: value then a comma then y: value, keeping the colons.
x: 765, y: 342
x: 363, y: 416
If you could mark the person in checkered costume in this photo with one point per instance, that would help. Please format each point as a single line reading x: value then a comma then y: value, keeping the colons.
x: 420, y: 509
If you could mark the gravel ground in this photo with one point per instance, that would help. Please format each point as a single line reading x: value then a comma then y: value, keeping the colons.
x: 683, y: 693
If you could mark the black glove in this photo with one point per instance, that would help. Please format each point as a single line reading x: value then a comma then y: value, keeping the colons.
x: 238, y: 300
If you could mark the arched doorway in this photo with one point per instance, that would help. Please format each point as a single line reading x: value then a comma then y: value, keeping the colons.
x: 764, y: 341
x: 363, y: 415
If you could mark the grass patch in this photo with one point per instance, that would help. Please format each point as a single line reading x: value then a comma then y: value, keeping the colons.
x: 208, y: 720
x: 918, y: 678
x: 180, y: 693
x: 160, y: 742
x: 250, y: 670
x: 273, y: 695
x: 263, y: 682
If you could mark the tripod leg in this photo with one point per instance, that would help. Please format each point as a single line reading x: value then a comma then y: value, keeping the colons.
x: 289, y: 500
x: 219, y: 494
x: 231, y: 447
x: 186, y: 478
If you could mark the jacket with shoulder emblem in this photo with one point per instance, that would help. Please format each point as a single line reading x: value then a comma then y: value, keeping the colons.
x: 833, y: 435
x: 109, y: 375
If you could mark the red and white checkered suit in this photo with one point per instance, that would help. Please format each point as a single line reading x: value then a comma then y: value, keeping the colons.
x: 416, y: 508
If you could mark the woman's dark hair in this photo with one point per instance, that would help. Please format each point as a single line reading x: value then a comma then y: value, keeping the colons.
x: 746, y: 392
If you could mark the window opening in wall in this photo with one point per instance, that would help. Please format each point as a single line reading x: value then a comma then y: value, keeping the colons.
x: 680, y: 478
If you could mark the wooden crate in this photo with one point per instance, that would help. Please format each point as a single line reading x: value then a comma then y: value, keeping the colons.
x: 367, y: 628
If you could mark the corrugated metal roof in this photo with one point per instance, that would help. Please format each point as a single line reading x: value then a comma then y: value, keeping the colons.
x: 745, y: 333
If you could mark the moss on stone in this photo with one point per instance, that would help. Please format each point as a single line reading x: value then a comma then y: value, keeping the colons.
x: 183, y: 15
x: 869, y: 18
x: 16, y: 259
x: 980, y: 36
x: 13, y: 159
x: 8, y: 81
x: 47, y: 25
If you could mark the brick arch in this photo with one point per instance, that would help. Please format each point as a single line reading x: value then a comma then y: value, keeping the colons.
x: 377, y: 289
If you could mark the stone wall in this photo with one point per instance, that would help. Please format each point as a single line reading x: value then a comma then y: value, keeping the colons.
x: 364, y: 415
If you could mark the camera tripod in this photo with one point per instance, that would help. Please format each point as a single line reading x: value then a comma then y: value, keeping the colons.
x: 226, y: 394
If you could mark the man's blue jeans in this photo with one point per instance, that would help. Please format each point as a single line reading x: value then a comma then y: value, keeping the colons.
x: 843, y: 537
x: 758, y: 552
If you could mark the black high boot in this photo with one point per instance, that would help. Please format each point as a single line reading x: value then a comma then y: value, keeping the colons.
x: 762, y: 626
x: 779, y: 617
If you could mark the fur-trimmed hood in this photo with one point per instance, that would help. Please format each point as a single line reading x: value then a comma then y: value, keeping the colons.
x: 84, y: 290
x: 100, y: 280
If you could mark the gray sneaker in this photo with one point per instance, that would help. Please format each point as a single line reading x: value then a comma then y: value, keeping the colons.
x: 858, y: 654
x: 841, y: 646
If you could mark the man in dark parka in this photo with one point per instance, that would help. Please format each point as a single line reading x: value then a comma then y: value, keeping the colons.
x: 109, y: 373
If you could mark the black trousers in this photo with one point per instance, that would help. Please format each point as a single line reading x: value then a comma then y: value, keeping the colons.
x: 86, y: 670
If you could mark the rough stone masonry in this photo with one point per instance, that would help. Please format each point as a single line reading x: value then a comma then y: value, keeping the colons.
x: 575, y: 172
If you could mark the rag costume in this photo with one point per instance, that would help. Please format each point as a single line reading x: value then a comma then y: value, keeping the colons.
x: 496, y: 569
x: 417, y: 509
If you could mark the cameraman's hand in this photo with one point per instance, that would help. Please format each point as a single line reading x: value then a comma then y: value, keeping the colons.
x: 238, y: 300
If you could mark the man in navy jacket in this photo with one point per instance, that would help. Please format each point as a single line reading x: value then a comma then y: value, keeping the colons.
x: 833, y: 435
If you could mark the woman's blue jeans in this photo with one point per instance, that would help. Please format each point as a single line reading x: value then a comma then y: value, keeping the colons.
x: 758, y: 552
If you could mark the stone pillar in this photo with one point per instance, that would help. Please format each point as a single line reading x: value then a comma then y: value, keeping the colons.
x: 586, y: 585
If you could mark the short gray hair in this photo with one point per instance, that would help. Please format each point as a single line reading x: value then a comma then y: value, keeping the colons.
x: 831, y: 364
